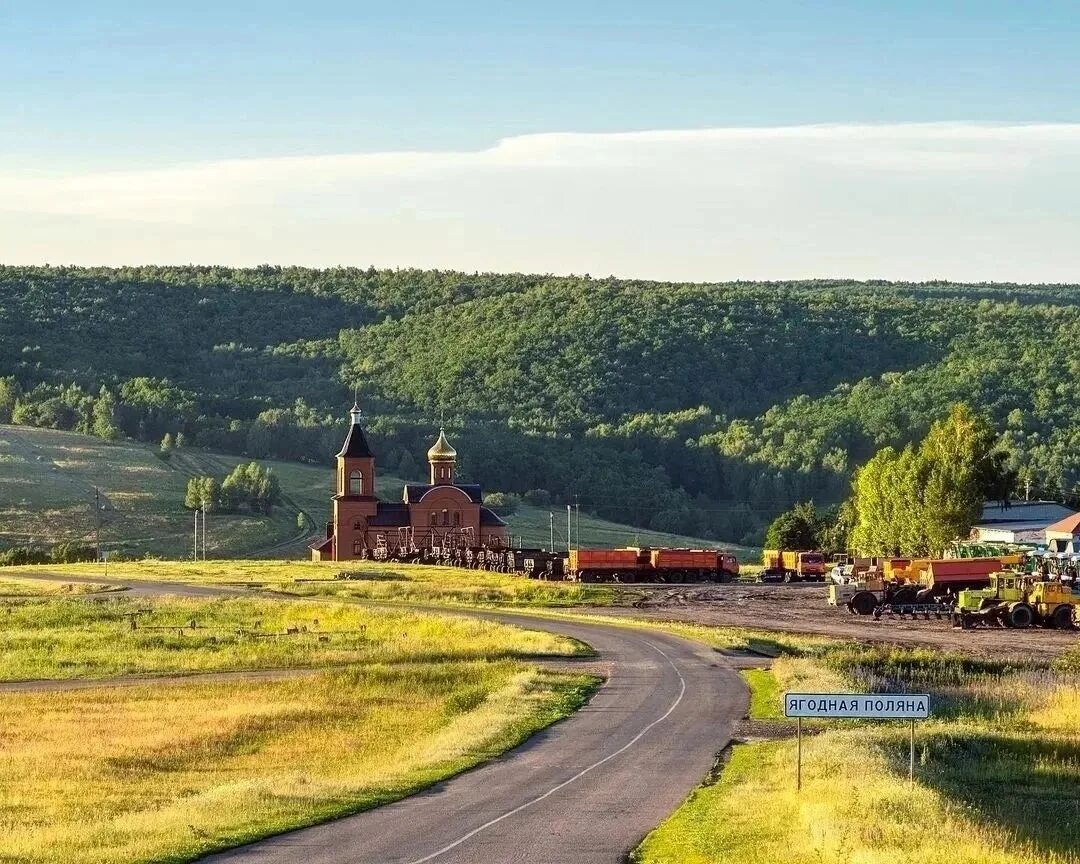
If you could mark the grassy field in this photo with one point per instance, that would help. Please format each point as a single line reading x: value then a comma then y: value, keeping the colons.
x: 157, y: 772
x: 367, y: 580
x: 48, y: 478
x: 144, y: 774
x: 997, y: 776
x: 76, y: 639
x: 34, y: 588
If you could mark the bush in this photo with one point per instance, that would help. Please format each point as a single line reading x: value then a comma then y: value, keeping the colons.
x: 24, y: 555
x: 538, y: 497
x: 503, y: 503
x: 73, y: 552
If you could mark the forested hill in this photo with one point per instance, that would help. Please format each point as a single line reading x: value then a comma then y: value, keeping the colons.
x: 701, y: 408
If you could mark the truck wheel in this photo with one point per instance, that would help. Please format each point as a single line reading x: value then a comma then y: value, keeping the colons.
x: 863, y: 603
x: 1062, y: 617
x: 1020, y: 615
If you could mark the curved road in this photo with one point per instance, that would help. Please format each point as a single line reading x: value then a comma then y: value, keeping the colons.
x: 584, y: 791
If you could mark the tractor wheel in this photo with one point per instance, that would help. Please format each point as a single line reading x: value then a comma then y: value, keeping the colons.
x: 863, y: 603
x: 1020, y: 615
x: 788, y: 577
x: 904, y: 596
x: 1062, y: 617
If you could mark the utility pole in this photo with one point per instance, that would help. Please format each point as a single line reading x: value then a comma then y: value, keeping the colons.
x: 97, y: 524
x: 196, y: 555
x: 577, y: 522
x: 551, y: 531
x: 568, y: 529
x: 1027, y: 488
x: 204, y: 532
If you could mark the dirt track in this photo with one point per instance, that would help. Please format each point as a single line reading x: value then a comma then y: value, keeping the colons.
x: 803, y: 609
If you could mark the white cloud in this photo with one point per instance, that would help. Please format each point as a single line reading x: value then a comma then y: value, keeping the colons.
x: 961, y: 201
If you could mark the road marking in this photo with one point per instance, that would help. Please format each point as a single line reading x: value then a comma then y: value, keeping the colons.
x: 578, y: 776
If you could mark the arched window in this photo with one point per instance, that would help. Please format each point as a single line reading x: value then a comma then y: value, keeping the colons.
x: 356, y: 483
x: 457, y: 517
x: 358, y: 525
x: 434, y: 518
x: 445, y: 517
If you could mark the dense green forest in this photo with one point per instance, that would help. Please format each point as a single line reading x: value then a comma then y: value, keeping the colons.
x: 702, y: 408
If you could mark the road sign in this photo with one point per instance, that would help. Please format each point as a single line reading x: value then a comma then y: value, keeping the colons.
x: 870, y: 706
x: 863, y: 706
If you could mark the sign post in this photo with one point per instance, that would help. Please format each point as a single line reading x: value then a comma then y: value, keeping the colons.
x: 864, y: 706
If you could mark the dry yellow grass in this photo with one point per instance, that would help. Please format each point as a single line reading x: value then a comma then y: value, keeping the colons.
x: 369, y: 580
x: 36, y: 588
x: 144, y: 774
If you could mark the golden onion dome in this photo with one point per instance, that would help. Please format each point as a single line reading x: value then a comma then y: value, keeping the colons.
x: 441, y: 451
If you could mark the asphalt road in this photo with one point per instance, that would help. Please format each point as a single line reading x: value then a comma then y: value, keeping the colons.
x: 584, y: 791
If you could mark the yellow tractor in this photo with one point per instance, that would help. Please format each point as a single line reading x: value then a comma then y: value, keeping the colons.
x: 1018, y: 600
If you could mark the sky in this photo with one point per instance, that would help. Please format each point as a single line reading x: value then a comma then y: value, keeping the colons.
x: 677, y: 140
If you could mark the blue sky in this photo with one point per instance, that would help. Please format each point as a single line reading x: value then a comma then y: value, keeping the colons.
x: 99, y: 83
x: 778, y: 139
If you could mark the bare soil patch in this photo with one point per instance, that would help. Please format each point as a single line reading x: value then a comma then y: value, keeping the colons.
x: 802, y: 608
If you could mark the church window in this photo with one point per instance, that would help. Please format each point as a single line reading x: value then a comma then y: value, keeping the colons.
x: 445, y: 517
x: 434, y: 518
x: 358, y: 525
x: 357, y: 547
x: 457, y: 517
x: 356, y: 483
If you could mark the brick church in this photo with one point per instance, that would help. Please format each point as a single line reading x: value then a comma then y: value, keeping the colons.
x: 441, y: 513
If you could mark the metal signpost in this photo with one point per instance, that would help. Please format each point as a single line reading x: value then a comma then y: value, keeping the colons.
x: 864, y: 706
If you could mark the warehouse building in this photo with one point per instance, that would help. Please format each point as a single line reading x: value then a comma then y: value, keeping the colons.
x: 1019, y: 521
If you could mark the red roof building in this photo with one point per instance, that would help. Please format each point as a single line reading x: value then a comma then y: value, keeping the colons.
x: 439, y: 514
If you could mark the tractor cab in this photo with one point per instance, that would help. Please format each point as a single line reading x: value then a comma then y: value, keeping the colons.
x: 1018, y: 599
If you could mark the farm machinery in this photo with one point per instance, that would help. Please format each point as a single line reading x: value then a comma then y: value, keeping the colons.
x: 1018, y: 600
x: 915, y: 586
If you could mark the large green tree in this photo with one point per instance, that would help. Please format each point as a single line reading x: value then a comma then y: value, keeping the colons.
x: 919, y: 500
x: 801, y: 527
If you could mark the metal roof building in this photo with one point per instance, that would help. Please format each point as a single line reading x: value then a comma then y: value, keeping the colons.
x: 1019, y: 521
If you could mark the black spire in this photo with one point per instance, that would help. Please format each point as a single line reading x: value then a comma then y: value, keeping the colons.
x: 355, y: 442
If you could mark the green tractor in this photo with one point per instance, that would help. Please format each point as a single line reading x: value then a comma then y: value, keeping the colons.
x: 1017, y: 600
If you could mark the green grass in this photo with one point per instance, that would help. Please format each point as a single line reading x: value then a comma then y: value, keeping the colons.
x: 48, y: 477
x: 765, y: 696
x: 998, y: 775
x: 64, y: 639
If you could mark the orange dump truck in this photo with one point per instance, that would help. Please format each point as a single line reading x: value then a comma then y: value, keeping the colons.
x: 635, y: 564
x: 609, y: 565
x: 675, y: 565
x: 953, y: 575
x: 793, y: 565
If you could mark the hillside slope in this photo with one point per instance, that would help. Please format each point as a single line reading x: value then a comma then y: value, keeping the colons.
x: 696, y: 408
x: 48, y: 481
